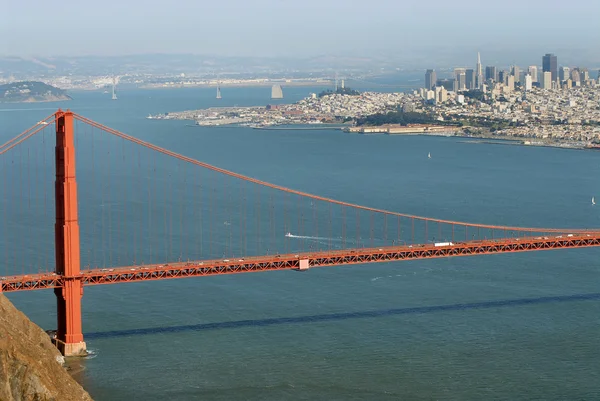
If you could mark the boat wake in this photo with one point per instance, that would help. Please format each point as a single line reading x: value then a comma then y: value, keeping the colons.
x: 290, y: 235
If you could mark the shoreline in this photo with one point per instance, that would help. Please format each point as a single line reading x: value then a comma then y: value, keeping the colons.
x: 235, y: 85
x: 471, y: 139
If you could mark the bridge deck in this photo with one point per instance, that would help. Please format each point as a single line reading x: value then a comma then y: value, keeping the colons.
x: 128, y: 274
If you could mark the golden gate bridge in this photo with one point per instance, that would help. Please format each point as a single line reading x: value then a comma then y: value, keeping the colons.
x: 148, y: 213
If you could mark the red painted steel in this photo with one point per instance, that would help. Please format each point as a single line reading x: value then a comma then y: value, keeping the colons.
x: 66, y: 234
x: 131, y: 274
x: 68, y: 281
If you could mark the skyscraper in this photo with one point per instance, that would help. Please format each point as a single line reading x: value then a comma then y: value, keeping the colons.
x: 563, y: 73
x: 549, y: 64
x: 430, y: 79
x: 547, y: 80
x: 460, y: 79
x: 528, y: 83
x: 478, y: 73
x: 533, y: 71
x: 516, y: 72
x: 490, y: 73
x: 471, y: 79
x: 576, y: 77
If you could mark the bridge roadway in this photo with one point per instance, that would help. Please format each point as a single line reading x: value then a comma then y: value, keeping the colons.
x: 300, y: 261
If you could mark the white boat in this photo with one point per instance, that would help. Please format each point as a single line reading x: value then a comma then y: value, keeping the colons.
x: 593, y: 201
x: 429, y: 155
x: 288, y: 234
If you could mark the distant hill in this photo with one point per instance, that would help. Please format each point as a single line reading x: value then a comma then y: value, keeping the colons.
x: 31, y: 91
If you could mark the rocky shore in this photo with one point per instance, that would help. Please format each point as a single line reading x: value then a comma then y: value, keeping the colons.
x: 30, y: 366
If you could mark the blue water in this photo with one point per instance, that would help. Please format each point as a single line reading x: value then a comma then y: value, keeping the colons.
x: 520, y: 326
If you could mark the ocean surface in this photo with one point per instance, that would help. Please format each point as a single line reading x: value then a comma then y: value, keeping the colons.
x: 501, y: 327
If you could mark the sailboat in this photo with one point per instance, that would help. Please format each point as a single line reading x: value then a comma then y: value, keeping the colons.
x: 593, y: 201
x: 429, y: 155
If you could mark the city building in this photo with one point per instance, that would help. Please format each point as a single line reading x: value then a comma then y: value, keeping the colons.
x: 471, y: 79
x: 564, y: 73
x: 510, y: 82
x: 502, y: 75
x: 516, y: 72
x: 576, y: 77
x: 441, y: 94
x: 491, y: 73
x: 533, y: 71
x: 460, y: 79
x: 549, y: 64
x: 547, y: 80
x: 430, y: 79
x: 528, y: 82
x: 584, y: 74
x: 479, y: 73
x: 446, y: 83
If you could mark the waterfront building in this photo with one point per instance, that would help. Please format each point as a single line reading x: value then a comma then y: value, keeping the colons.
x: 430, y: 79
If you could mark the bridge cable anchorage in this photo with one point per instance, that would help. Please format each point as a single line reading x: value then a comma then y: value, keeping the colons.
x: 321, y: 198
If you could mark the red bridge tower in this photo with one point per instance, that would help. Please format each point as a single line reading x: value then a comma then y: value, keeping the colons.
x: 69, y: 336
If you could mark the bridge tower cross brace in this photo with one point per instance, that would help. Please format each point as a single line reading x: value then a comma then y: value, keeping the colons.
x: 69, y: 336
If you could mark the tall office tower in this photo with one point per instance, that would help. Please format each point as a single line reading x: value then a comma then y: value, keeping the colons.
x: 563, y: 73
x: 516, y: 71
x: 549, y: 64
x: 479, y: 73
x: 533, y: 71
x: 547, y: 80
x: 528, y: 83
x: 430, y: 79
x: 491, y: 73
x: 460, y: 79
x: 470, y: 79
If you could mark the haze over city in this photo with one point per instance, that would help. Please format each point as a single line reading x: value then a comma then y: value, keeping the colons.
x: 398, y: 29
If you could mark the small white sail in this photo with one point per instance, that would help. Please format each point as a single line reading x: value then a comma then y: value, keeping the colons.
x: 429, y: 155
x: 593, y: 201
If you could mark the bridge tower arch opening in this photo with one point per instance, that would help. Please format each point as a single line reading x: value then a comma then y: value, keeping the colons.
x: 69, y: 336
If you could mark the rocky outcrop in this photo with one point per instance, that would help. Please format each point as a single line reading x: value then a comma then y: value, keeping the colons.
x: 30, y: 366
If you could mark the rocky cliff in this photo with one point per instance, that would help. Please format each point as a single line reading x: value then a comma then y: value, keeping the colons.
x: 30, y: 366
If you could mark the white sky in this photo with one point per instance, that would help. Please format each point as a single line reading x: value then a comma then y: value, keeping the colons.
x: 286, y: 27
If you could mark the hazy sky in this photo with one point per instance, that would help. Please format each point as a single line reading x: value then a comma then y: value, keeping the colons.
x: 286, y: 27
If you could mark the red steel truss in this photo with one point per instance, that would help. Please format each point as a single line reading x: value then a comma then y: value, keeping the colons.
x: 130, y: 274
